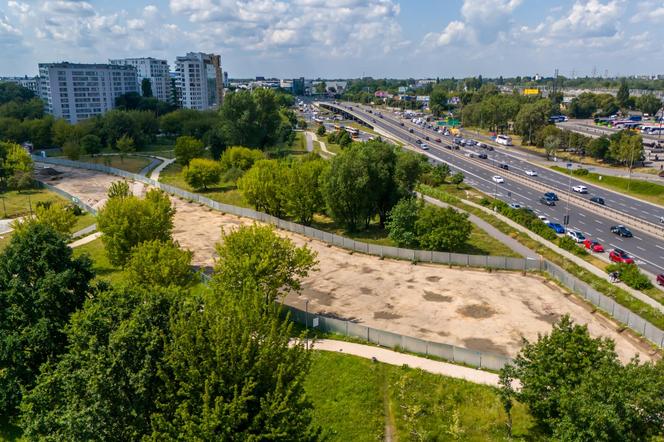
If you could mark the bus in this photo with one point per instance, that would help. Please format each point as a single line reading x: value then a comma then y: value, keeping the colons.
x: 504, y: 140
x: 557, y: 118
x: 626, y: 124
x: 652, y: 130
x: 353, y: 132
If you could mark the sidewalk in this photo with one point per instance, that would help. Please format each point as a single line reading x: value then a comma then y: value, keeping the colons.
x: 165, y: 162
x: 394, y: 358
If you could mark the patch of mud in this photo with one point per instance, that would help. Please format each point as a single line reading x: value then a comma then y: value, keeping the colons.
x: 386, y: 315
x: 366, y: 291
x: 485, y: 345
x: 367, y: 269
x: 436, y: 297
x: 443, y: 334
x: 433, y: 278
x: 477, y: 311
x: 321, y: 297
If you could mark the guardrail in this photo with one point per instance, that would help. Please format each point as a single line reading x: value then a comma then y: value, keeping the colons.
x: 620, y: 313
x: 618, y: 216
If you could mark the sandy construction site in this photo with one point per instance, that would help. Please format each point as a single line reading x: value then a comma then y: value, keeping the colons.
x: 472, y: 308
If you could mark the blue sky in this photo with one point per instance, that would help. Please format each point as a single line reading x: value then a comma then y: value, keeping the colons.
x: 344, y: 38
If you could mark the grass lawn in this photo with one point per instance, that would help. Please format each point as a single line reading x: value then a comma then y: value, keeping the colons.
x: 102, y: 267
x: 130, y: 163
x: 332, y: 147
x: 351, y: 397
x: 646, y: 190
x: 226, y: 193
x: 83, y: 221
x: 14, y: 204
x: 362, y: 128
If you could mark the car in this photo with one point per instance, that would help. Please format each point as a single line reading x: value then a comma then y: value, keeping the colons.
x: 504, y: 166
x: 515, y: 205
x: 373, y: 120
x: 489, y: 148
x: 543, y: 218
x: 597, y: 199
x: 497, y: 179
x: 424, y: 146
x: 427, y: 137
x: 410, y: 130
x: 481, y: 145
x: 621, y: 230
x: 547, y: 201
x: 551, y: 196
x: 580, y: 189
x: 556, y: 227
x: 593, y: 245
x: 418, y: 141
x: 483, y: 156
x: 660, y: 279
x: 401, y: 124
x: 576, y: 236
x: 531, y: 172
x: 438, y: 140
x: 618, y: 255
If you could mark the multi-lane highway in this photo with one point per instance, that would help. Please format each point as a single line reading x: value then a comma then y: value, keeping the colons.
x: 648, y: 249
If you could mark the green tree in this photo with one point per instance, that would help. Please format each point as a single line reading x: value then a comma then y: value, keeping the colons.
x: 125, y: 145
x: 626, y: 148
x: 551, y: 145
x: 118, y: 189
x: 41, y: 285
x: 72, y: 150
x: 240, y: 158
x: 321, y: 130
x: 599, y: 147
x: 127, y: 222
x: 649, y: 104
x: 264, y: 186
x: 187, y: 148
x: 346, y: 186
x: 17, y: 166
x: 623, y: 94
x: 408, y: 170
x: 303, y: 193
x: 58, y: 217
x: 583, y: 106
x: 438, y: 100
x: 255, y: 257
x: 401, y: 222
x: 201, y: 172
x: 91, y: 144
x: 531, y: 118
x: 344, y: 139
x: 107, y: 384
x: 159, y: 264
x: 146, y: 87
x: 381, y: 159
x: 302, y: 124
x: 442, y: 229
x: 457, y: 179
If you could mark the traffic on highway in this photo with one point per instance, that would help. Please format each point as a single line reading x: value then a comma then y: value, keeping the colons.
x: 646, y: 248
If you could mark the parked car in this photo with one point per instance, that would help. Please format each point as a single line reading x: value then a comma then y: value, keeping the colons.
x: 547, y: 201
x: 597, y: 199
x: 551, y: 196
x: 543, y: 218
x: 593, y: 245
x: 576, y: 236
x: 621, y: 231
x: 580, y: 189
x: 618, y: 255
x: 531, y: 172
x: 556, y: 227
x: 497, y: 179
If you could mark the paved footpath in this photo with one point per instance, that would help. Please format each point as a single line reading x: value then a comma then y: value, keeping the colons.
x: 165, y: 162
x: 394, y: 358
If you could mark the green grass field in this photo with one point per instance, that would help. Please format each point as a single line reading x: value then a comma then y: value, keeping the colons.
x: 352, y: 396
x: 14, y: 204
x: 226, y: 193
x: 129, y: 163
x: 646, y: 190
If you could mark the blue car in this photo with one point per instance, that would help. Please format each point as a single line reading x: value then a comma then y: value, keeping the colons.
x: 556, y: 227
x: 551, y: 196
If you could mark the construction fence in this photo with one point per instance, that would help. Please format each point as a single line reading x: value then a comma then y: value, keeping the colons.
x: 620, y: 313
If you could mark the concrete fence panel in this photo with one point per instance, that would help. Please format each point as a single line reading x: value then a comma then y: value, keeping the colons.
x: 357, y: 330
x: 414, y: 345
x: 469, y: 357
x: 443, y: 351
x: 493, y: 362
x: 384, y: 338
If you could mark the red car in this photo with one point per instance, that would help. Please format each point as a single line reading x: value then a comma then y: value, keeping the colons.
x: 593, y: 245
x: 437, y: 140
x: 617, y: 255
x: 660, y: 279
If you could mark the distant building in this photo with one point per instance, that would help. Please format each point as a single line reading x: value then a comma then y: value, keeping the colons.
x: 154, y: 70
x: 76, y: 92
x: 226, y: 83
x: 199, y: 81
x: 31, y: 83
x: 403, y: 89
x: 381, y: 94
x: 298, y: 86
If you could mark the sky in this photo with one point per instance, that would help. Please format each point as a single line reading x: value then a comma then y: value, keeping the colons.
x: 344, y: 38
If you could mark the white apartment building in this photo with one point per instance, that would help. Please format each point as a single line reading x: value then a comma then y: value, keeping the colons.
x: 199, y: 81
x: 76, y: 92
x: 154, y: 70
x: 31, y: 83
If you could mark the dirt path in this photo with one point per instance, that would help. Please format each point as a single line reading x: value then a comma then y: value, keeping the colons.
x: 471, y: 308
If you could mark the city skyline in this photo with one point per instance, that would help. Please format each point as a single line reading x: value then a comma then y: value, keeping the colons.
x: 344, y: 39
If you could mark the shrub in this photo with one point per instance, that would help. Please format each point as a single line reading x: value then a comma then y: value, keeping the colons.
x: 630, y: 275
x: 570, y: 245
x: 581, y: 172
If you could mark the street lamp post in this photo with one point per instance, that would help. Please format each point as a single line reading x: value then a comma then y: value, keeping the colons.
x: 306, y: 323
x: 569, y: 193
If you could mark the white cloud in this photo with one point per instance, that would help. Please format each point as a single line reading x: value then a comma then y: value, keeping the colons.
x: 453, y: 32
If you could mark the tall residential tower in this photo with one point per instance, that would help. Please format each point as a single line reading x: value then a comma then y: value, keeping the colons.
x: 76, y: 92
x: 199, y: 81
x: 154, y: 70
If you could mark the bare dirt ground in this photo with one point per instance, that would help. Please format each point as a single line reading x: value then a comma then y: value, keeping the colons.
x: 469, y: 308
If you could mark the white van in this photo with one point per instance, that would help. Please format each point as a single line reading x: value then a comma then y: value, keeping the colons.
x: 504, y: 140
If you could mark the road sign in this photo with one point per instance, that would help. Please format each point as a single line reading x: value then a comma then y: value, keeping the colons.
x: 315, y: 322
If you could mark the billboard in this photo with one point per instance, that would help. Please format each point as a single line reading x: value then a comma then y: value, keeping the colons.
x: 531, y: 92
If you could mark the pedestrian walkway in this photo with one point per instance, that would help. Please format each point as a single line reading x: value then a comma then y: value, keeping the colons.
x: 165, y: 162
x: 85, y: 231
x: 392, y: 357
x: 84, y: 240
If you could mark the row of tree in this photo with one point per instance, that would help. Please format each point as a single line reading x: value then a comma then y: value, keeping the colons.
x: 149, y: 358
x: 589, y: 104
